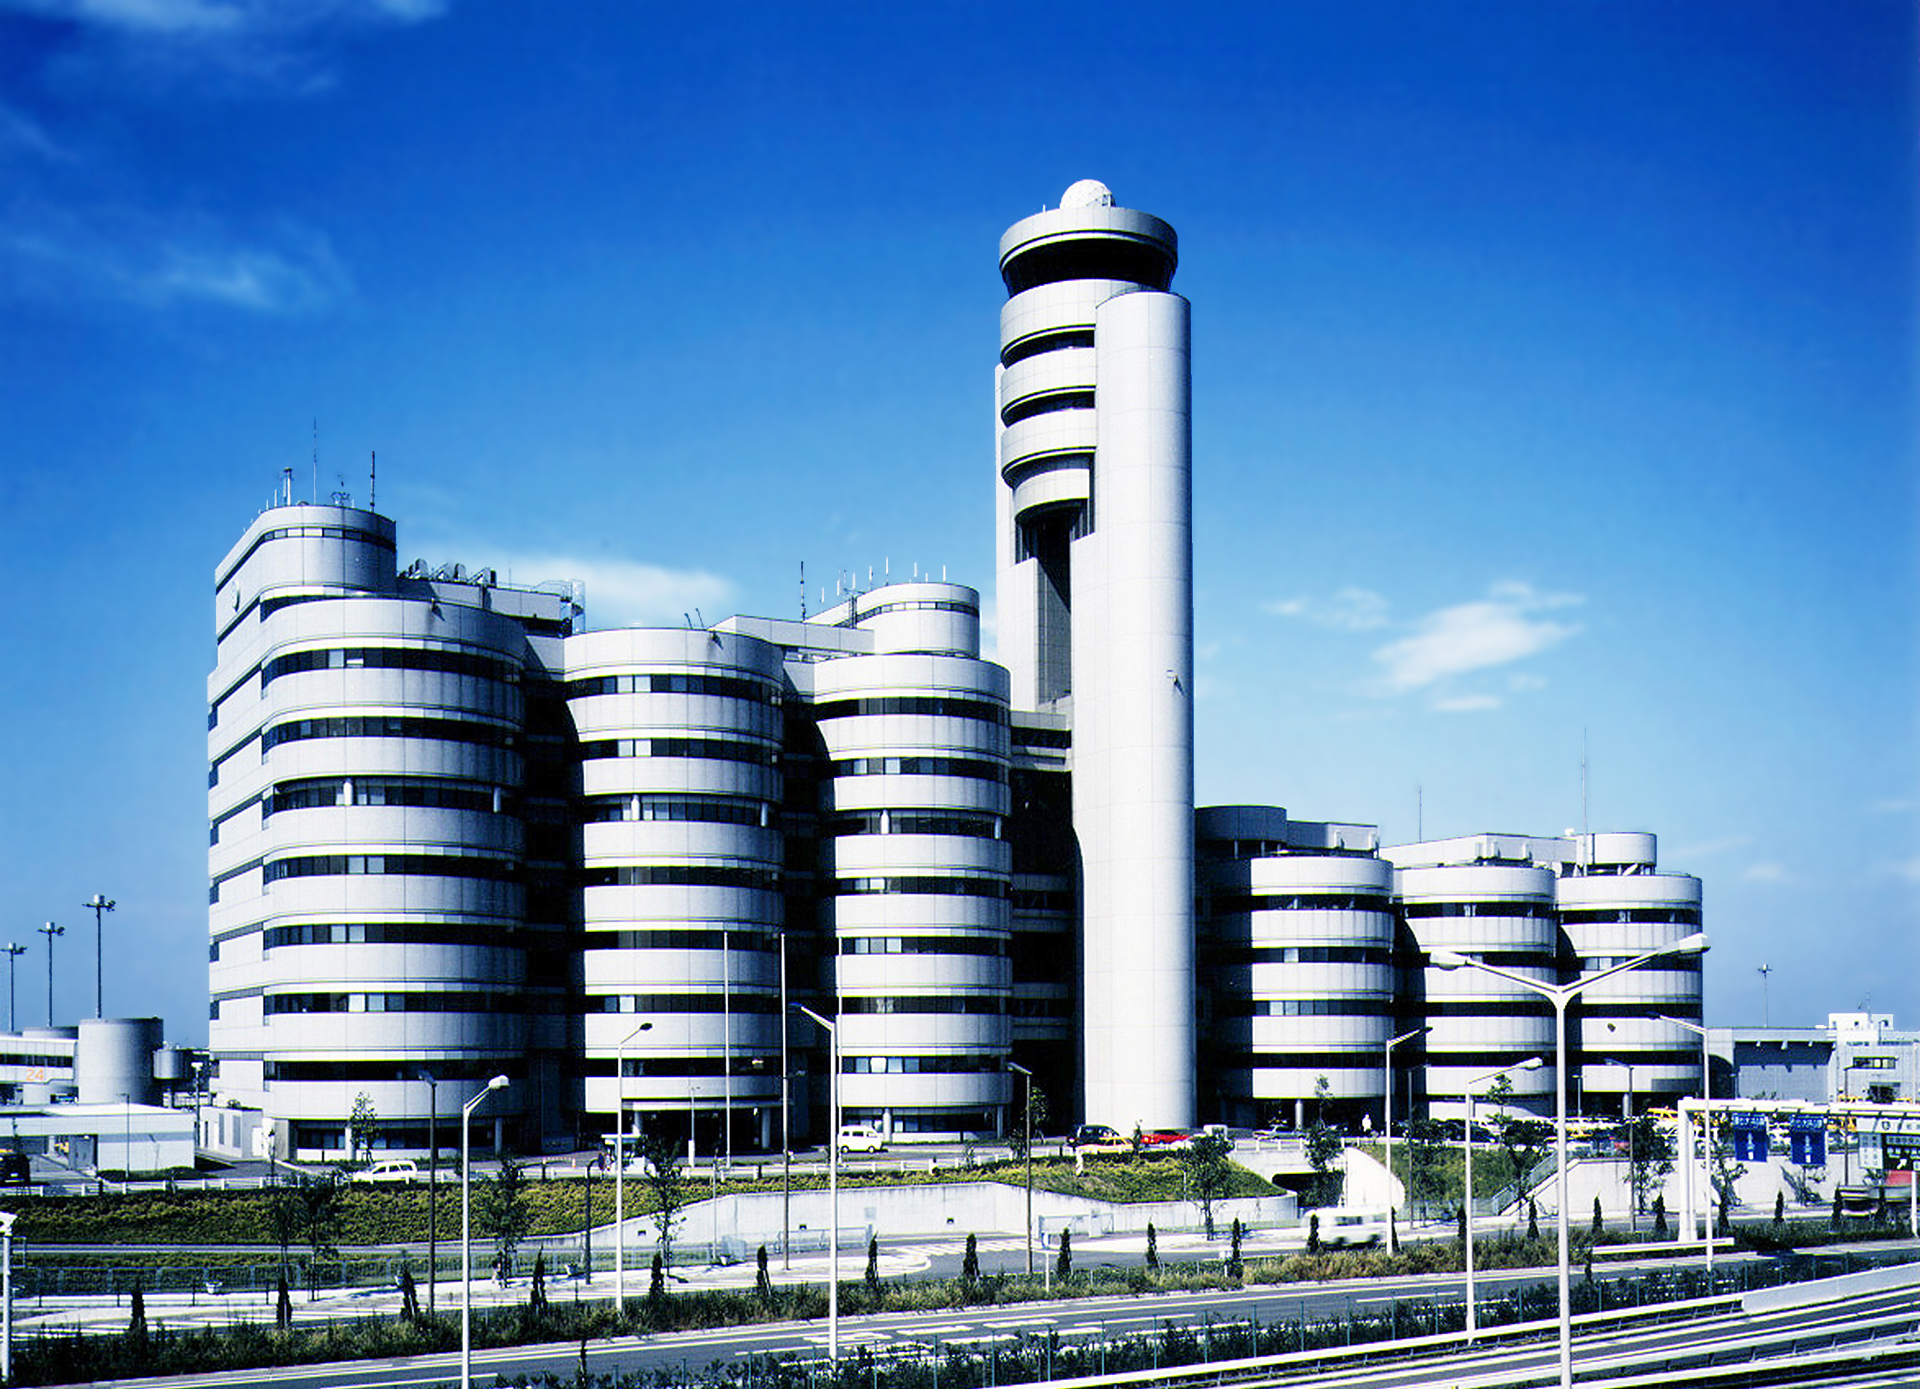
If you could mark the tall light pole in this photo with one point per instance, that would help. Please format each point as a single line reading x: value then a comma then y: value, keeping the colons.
x: 1706, y: 1132
x: 433, y: 1194
x: 1532, y: 1063
x: 833, y: 1183
x: 1633, y: 1145
x: 50, y: 931
x: 1561, y: 995
x: 1027, y: 1133
x: 6, y: 1296
x: 1766, y: 1012
x: 620, y: 1169
x: 1388, y: 1112
x: 466, y: 1239
x: 14, y: 952
x: 100, y: 905
x: 786, y: 1137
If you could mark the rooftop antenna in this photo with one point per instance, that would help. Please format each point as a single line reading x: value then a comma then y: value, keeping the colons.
x: 1586, y: 829
x: 373, y: 476
x: 803, y: 590
x: 1766, y: 1013
x: 316, y: 461
x: 286, y: 486
x: 1419, y: 812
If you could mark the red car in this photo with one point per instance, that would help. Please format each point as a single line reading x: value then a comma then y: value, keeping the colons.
x: 1166, y: 1140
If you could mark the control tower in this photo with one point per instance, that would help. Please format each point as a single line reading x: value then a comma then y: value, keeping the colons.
x: 1094, y: 510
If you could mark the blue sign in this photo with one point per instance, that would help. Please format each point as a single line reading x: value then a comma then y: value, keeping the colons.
x: 1750, y: 1145
x: 1808, y: 1147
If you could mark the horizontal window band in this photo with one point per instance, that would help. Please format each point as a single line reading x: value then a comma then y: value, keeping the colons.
x: 981, y: 1004
x: 1046, y: 403
x: 1042, y: 737
x: 409, y: 865
x: 431, y: 793
x: 682, y: 875
x: 756, y: 940
x: 738, y: 1001
x: 426, y: 658
x: 922, y: 1065
x: 703, y: 749
x: 1532, y: 1006
x: 987, y: 946
x: 439, y: 1001
x: 722, y: 686
x: 942, y: 706
x: 1526, y: 911
x: 1036, y: 343
x: 389, y: 726
x: 1298, y: 955
x: 905, y: 605
x: 974, y: 768
x: 381, y: 1069
x: 955, y: 824
x: 1381, y: 1007
x: 1222, y: 904
x: 921, y: 886
x: 1637, y: 916
x: 395, y: 933
x: 635, y: 807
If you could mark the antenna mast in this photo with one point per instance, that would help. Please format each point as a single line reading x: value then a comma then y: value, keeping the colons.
x: 1586, y: 827
x: 316, y: 461
x: 373, y: 477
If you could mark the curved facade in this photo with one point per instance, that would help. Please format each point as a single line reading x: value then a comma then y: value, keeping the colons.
x: 915, y: 870
x: 367, y: 875
x: 1297, y: 963
x: 1094, y: 440
x: 1502, y: 913
x: 680, y: 855
x: 1615, y: 905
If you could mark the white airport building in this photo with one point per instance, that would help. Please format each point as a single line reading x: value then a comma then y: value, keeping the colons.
x: 455, y: 833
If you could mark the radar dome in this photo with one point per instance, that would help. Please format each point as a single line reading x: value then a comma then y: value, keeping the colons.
x: 1088, y: 192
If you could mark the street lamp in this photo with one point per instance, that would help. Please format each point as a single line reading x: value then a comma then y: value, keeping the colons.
x: 1388, y: 1127
x: 1532, y: 1063
x: 1027, y: 1131
x: 466, y: 1241
x: 50, y: 931
x: 100, y: 906
x: 6, y: 1296
x: 14, y: 952
x: 433, y: 1201
x: 620, y: 1170
x: 1561, y: 995
x: 1706, y: 1135
x: 833, y: 1183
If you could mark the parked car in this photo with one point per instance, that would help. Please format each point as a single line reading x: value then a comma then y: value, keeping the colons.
x: 1166, y: 1140
x: 1100, y: 1138
x: 15, y: 1168
x: 390, y: 1170
x: 861, y: 1138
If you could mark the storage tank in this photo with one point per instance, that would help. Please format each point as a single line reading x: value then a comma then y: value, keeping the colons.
x: 113, y: 1060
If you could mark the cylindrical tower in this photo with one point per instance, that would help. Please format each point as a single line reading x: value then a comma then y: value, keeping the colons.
x: 1614, y: 905
x: 680, y: 854
x: 1096, y: 607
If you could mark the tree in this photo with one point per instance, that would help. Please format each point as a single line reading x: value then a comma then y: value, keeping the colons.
x: 1234, y: 1266
x: 409, y: 1295
x: 1324, y: 1146
x: 1597, y: 1226
x: 1523, y: 1142
x: 283, y: 1219
x: 504, y: 1214
x: 666, y: 1184
x: 319, y: 1207
x: 1153, y: 1248
x: 1533, y: 1220
x: 1426, y: 1159
x: 537, y: 1293
x: 360, y: 1126
x: 1649, y: 1157
x: 1660, y: 1217
x: 762, y: 1280
x: 282, y: 1302
x: 1208, y: 1172
x: 657, y: 1282
x: 1063, y: 1267
x: 1313, y: 1233
x: 1035, y: 1122
x: 873, y: 1268
x: 1725, y: 1175
x: 137, y: 1321
x: 1779, y: 1207
x: 970, y: 1262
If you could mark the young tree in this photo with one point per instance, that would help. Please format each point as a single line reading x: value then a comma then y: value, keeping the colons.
x: 1234, y: 1266
x: 409, y: 1295
x: 1649, y: 1157
x: 1779, y: 1208
x: 1035, y: 1122
x: 1660, y: 1217
x: 666, y: 1184
x: 1597, y: 1225
x: 537, y: 1293
x: 1153, y: 1249
x: 283, y: 1219
x: 137, y: 1322
x: 282, y: 1302
x: 1523, y: 1142
x: 762, y: 1280
x: 1725, y: 1176
x: 970, y: 1262
x: 1533, y: 1220
x: 319, y: 1199
x: 504, y: 1214
x: 1324, y: 1146
x: 1426, y: 1161
x: 1063, y: 1266
x: 657, y: 1283
x: 1313, y: 1233
x: 361, y: 1123
x: 1208, y: 1172
x: 873, y: 1268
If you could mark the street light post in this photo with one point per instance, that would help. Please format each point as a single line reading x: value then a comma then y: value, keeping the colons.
x: 433, y: 1195
x: 786, y: 1138
x: 1561, y: 995
x: 620, y: 1170
x: 100, y: 906
x: 833, y: 1182
x: 1706, y: 1135
x: 466, y: 1240
x: 1532, y: 1063
x: 1027, y: 1133
x: 14, y: 952
x: 1633, y: 1147
x: 1387, y: 1127
x: 6, y: 1296
x: 50, y: 931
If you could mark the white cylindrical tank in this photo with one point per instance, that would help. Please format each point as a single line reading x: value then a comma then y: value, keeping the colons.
x: 113, y: 1060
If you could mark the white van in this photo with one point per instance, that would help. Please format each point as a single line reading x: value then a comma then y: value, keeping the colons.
x: 1351, y: 1227
x: 861, y: 1138
x: 390, y: 1170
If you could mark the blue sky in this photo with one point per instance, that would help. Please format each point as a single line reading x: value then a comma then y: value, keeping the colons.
x: 1554, y: 387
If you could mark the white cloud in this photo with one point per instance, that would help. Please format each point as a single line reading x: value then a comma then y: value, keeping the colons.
x: 1347, y: 610
x: 1894, y: 805
x: 159, y: 262
x: 191, y: 17
x: 621, y: 593
x: 20, y: 133
x: 1466, y: 704
x: 1708, y: 848
x: 1493, y: 631
x: 1764, y: 873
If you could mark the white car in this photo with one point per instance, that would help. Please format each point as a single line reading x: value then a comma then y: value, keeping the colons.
x: 861, y: 1138
x: 390, y: 1170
